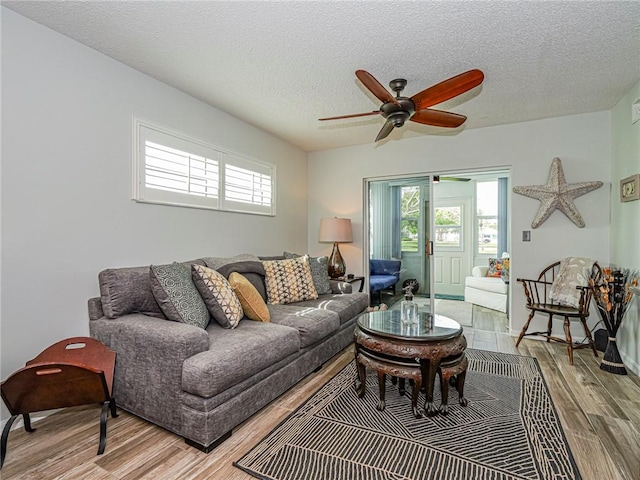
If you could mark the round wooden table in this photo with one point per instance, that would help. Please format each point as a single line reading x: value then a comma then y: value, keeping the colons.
x: 384, y: 344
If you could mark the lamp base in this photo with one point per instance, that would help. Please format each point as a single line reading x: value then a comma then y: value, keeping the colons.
x: 336, y: 267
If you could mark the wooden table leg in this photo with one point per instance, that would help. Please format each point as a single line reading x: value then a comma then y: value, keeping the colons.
x: 417, y: 385
x: 460, y: 387
x: 361, y: 381
x: 382, y: 378
x: 429, y: 369
x: 401, y: 386
x: 444, y: 392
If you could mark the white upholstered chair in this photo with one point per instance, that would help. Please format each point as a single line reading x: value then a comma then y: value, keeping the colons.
x: 489, y: 292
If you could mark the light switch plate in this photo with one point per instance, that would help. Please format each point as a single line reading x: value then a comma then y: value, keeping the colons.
x: 526, y: 235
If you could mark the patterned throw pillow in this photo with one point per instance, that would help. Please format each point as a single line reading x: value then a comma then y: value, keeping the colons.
x: 319, y: 272
x: 176, y: 294
x: 222, y: 302
x: 252, y: 302
x: 574, y: 271
x: 289, y: 281
x: 495, y: 267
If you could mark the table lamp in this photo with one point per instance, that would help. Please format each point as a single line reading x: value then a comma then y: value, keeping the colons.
x: 335, y: 230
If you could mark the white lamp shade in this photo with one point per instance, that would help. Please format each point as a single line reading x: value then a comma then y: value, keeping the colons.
x: 335, y: 230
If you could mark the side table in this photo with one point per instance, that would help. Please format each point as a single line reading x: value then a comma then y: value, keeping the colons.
x: 76, y: 371
x: 353, y: 280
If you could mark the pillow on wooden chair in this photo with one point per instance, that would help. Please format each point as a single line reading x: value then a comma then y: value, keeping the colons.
x: 574, y: 271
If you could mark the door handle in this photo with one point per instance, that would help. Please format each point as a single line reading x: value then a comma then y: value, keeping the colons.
x: 429, y: 247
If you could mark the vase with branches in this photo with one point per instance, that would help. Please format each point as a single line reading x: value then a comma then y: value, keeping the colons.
x: 612, y: 295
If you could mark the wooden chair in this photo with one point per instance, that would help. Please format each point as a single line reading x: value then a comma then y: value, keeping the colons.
x: 538, y: 301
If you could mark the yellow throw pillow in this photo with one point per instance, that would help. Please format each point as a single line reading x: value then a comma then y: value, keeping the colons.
x: 250, y: 299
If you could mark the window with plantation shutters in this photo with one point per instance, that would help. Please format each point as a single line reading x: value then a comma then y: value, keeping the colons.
x: 173, y: 169
x: 247, y: 184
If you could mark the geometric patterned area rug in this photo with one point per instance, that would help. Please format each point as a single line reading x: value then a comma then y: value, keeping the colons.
x: 509, y: 431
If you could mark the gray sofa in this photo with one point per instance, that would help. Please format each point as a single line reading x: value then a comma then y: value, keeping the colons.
x: 201, y: 383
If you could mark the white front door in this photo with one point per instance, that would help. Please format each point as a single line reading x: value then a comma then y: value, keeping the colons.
x: 452, y: 245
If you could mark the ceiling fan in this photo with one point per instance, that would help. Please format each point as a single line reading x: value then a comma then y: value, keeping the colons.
x: 397, y: 110
x: 440, y: 178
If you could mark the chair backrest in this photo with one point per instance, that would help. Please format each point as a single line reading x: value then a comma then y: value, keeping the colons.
x: 385, y: 267
x: 538, y: 291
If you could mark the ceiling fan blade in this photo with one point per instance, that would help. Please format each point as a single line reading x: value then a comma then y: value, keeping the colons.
x: 438, y: 118
x: 387, y: 128
x: 375, y: 87
x: 448, y: 89
x: 454, y: 179
x: 351, y: 116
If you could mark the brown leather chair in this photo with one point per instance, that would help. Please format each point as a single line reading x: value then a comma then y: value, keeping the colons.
x: 538, y: 301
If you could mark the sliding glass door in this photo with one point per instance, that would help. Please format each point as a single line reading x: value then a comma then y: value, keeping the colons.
x: 399, y: 225
x: 439, y: 227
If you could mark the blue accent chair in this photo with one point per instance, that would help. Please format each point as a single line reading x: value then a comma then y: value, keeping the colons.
x: 383, y: 275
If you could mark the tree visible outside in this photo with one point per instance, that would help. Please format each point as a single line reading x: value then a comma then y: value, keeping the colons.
x: 410, y: 214
x: 448, y: 224
x: 487, y: 217
x: 448, y: 220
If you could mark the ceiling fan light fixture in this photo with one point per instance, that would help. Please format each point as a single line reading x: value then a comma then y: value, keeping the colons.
x: 397, y: 110
x: 398, y: 118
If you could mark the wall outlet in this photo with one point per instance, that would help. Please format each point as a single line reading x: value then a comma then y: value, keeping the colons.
x: 526, y: 235
x: 635, y: 111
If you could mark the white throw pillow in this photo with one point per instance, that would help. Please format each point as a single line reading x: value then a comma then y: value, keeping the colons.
x: 574, y: 271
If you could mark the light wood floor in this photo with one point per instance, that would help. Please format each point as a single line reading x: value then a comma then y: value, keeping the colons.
x: 599, y: 411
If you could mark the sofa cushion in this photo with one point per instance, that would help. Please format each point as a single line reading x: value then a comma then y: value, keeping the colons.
x: 176, y: 294
x: 385, y: 267
x: 217, y: 262
x: 252, y: 270
x: 127, y: 290
x: 289, y: 280
x: 346, y: 306
x: 319, y: 272
x: 489, y: 284
x: 252, y: 302
x: 380, y: 282
x: 235, y: 355
x: 313, y: 324
x: 218, y: 295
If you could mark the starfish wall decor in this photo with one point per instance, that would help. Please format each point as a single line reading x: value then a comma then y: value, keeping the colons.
x: 557, y: 194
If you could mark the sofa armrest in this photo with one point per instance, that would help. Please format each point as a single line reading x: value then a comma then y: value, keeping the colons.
x: 479, y: 271
x: 340, y: 287
x: 149, y: 356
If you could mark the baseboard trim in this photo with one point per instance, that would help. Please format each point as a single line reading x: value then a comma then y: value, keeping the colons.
x: 19, y: 423
x: 630, y: 363
x: 450, y: 297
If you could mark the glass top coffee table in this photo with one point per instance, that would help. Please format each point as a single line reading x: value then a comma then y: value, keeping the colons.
x: 385, y: 344
x: 387, y: 323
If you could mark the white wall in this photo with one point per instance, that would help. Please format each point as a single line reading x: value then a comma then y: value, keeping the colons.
x: 625, y: 217
x: 582, y: 142
x: 66, y: 207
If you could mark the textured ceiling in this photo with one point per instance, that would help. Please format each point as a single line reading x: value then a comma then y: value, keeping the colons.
x: 282, y: 65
